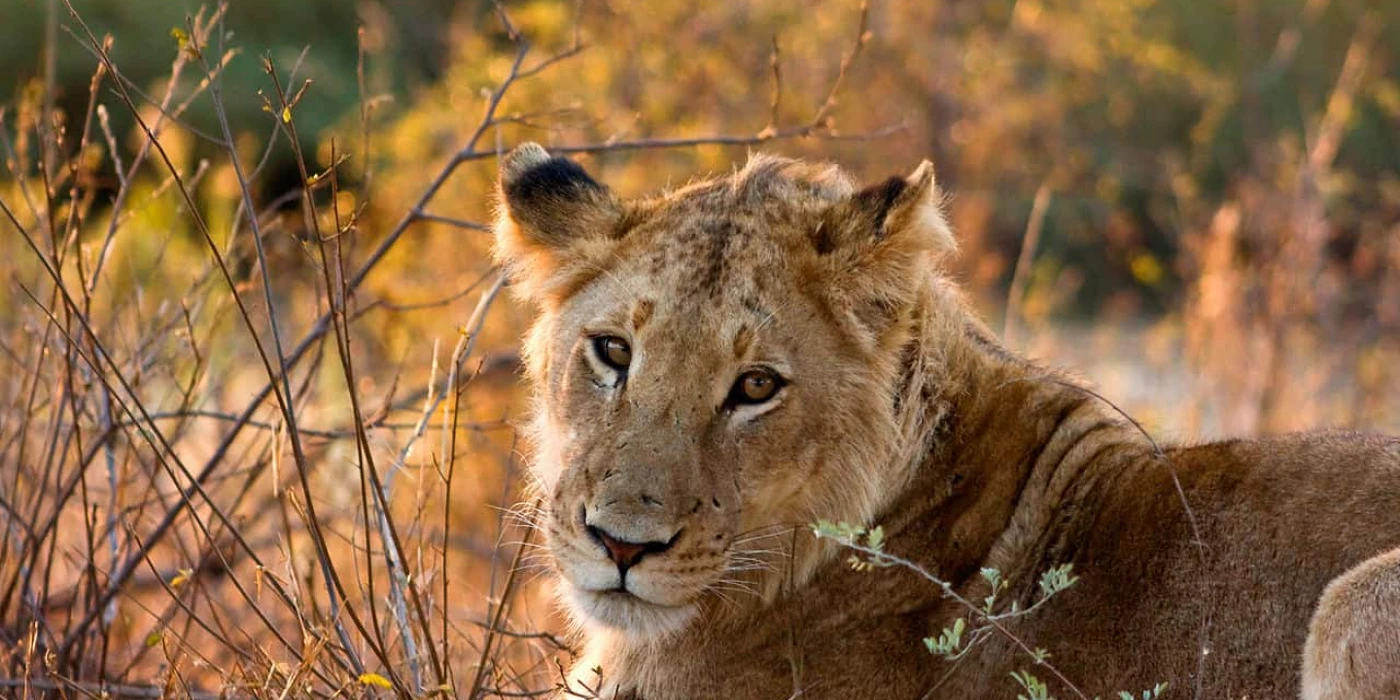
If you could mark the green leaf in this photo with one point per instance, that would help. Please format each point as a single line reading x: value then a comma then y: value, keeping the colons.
x: 1035, y: 688
x: 992, y: 576
x: 876, y: 538
x: 1057, y: 579
x: 949, y: 643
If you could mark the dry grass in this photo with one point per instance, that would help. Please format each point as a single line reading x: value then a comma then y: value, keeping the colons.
x: 261, y: 445
x: 217, y: 479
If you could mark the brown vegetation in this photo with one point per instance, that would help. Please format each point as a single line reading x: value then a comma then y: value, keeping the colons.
x: 259, y: 381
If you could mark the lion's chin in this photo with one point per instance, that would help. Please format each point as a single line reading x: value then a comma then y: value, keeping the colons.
x: 625, y: 613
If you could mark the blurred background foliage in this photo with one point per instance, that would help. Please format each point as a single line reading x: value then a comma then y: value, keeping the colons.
x: 1195, y: 204
x: 1150, y: 125
x: 1141, y: 115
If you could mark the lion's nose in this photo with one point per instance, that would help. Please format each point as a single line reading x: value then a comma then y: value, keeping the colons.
x: 627, y: 554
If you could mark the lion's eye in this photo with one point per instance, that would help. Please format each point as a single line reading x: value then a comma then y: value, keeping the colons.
x: 755, y: 387
x: 613, y: 351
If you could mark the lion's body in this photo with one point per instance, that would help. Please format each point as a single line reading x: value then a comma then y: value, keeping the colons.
x: 898, y: 409
x: 1071, y: 484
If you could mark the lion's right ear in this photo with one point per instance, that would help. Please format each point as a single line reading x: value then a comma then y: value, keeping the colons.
x: 555, y: 225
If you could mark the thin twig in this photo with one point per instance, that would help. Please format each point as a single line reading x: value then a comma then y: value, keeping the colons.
x: 993, y: 621
x: 1016, y: 294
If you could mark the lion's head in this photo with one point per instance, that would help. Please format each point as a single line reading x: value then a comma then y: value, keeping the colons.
x: 714, y: 366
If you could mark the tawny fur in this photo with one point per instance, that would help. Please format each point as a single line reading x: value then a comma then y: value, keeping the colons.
x: 901, y: 410
x: 1353, y: 648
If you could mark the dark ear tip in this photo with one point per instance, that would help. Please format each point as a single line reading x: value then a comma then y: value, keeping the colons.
x: 521, y: 160
x: 530, y: 174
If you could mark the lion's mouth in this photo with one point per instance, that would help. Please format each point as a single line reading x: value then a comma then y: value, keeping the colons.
x: 623, y: 610
x: 620, y: 595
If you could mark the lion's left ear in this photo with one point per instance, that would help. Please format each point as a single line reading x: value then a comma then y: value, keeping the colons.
x: 555, y: 225
x: 878, y: 246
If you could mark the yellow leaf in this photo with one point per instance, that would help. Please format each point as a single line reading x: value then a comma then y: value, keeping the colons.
x: 1387, y: 96
x: 153, y: 639
x: 182, y: 39
x: 376, y: 680
x: 1146, y: 269
x: 286, y: 115
x: 181, y: 578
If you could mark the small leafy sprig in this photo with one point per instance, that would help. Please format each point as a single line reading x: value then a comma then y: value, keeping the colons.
x: 958, y: 639
x: 868, y: 545
x: 1036, y: 689
x: 867, y: 542
x: 1153, y: 694
x: 950, y: 642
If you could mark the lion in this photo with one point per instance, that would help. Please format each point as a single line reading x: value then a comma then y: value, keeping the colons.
x: 1351, y: 646
x: 718, y: 367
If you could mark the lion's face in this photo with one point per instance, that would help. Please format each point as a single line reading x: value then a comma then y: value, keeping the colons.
x: 682, y: 425
x: 706, y: 383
